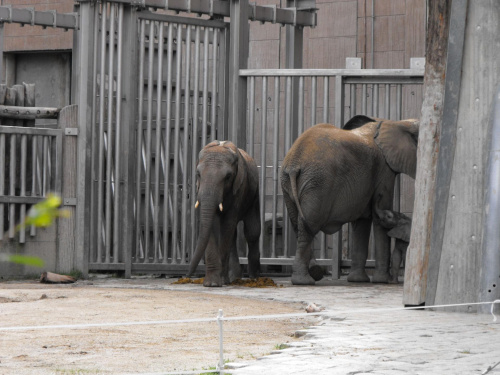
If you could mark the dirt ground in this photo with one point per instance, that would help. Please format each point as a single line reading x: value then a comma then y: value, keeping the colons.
x: 131, y: 349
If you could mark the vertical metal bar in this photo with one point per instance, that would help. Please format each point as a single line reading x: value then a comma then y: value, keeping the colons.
x: 116, y: 222
x: 147, y: 155
x: 138, y: 197
x: 12, y: 187
x: 326, y: 98
x: 275, y: 162
x: 22, y: 218
x: 314, y: 88
x: 363, y: 99
x: 263, y: 163
x: 109, y: 135
x: 387, y: 103
x: 100, y: 198
x: 195, y: 128
x: 93, y: 140
x: 339, y: 121
x: 301, y: 107
x: 251, y: 117
x: 3, y: 167
x: 166, y: 194
x: 399, y: 101
x: 399, y: 110
x: 185, y: 146
x: 353, y: 99
x: 178, y: 89
x: 288, y: 142
x: 34, y: 151
x: 45, y: 172
x: 205, y: 89
x: 375, y: 100
x: 214, y: 83
x: 158, y: 137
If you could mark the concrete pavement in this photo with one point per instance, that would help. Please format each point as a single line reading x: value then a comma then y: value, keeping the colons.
x: 366, y: 331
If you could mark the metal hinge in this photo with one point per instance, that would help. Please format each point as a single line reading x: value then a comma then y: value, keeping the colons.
x: 69, y: 201
x: 71, y: 131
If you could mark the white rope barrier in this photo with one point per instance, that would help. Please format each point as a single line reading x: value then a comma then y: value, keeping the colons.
x: 247, y: 317
x: 220, y: 319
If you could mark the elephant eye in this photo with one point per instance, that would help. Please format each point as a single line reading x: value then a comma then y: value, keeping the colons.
x: 228, y: 176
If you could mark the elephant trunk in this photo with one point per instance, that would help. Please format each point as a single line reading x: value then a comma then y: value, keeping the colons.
x: 208, y: 204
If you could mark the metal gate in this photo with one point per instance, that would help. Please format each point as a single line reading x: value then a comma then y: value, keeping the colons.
x: 143, y: 147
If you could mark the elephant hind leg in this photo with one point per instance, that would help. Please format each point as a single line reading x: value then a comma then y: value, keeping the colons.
x: 300, y: 274
x: 359, y: 253
x: 252, y: 234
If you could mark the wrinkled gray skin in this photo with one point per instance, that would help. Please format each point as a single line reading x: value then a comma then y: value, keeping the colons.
x: 400, y: 229
x: 330, y: 177
x: 227, y: 178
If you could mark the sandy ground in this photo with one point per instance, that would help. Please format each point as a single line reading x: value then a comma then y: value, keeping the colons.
x: 132, y: 349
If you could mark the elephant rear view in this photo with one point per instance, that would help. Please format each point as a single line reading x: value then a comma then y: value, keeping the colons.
x: 330, y: 177
x: 228, y: 192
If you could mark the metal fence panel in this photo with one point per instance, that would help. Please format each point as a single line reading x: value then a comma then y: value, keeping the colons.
x: 322, y: 95
x: 44, y: 148
x: 179, y: 106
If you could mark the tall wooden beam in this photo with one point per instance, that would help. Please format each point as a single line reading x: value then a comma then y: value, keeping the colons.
x: 417, y: 257
x: 238, y: 59
x: 447, y: 142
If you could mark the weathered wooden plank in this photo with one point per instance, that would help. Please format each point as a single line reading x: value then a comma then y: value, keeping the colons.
x: 417, y: 253
x: 68, y: 118
x: 27, y: 113
x: 447, y: 142
x: 459, y: 268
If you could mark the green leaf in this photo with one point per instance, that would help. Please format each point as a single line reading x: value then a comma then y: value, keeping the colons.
x: 26, y: 260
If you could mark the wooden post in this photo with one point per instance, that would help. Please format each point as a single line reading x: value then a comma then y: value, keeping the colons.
x: 65, y: 257
x: 417, y: 257
x: 447, y: 142
x: 128, y: 118
x: 238, y: 59
x: 82, y: 96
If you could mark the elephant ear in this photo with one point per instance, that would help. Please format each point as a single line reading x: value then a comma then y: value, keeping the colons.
x: 357, y: 121
x: 398, y: 141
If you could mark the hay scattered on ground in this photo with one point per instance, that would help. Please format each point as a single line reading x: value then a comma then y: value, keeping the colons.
x: 261, y: 282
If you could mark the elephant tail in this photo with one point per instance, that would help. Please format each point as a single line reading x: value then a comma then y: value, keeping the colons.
x: 293, y: 184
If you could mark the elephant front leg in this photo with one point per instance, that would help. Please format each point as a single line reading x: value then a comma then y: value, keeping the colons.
x: 252, y: 234
x: 234, y: 268
x: 398, y: 255
x: 213, y: 264
x: 382, y: 254
x: 359, y: 253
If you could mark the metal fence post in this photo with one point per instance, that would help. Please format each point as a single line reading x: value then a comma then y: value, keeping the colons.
x: 238, y: 59
x: 82, y: 96
x: 128, y: 121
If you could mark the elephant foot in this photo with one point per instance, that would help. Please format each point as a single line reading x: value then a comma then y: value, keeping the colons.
x: 316, y: 272
x: 380, y: 277
x: 302, y: 280
x: 393, y: 280
x: 211, y: 281
x: 358, y: 276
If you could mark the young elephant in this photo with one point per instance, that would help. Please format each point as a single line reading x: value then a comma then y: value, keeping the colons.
x: 228, y: 192
x: 400, y: 229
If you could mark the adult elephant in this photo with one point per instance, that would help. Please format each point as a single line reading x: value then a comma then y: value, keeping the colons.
x: 331, y: 176
x: 228, y: 192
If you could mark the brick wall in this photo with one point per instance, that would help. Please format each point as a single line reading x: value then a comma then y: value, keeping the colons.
x: 36, y: 38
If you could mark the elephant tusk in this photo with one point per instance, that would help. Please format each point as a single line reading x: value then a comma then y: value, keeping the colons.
x: 220, y: 207
x: 197, y: 204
